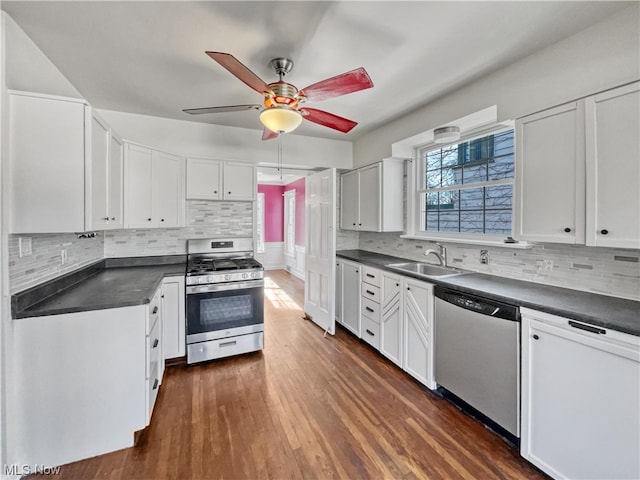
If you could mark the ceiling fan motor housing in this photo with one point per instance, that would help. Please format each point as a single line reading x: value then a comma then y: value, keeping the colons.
x: 282, y: 66
x: 284, y: 95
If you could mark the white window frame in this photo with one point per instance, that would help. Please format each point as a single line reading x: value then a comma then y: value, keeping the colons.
x: 289, y: 222
x: 260, y: 223
x: 416, y: 189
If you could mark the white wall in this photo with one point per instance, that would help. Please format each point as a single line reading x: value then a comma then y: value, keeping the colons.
x: 602, y: 56
x: 196, y: 139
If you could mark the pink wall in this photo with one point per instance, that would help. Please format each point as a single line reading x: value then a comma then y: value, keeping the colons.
x: 274, y: 212
x: 299, y: 186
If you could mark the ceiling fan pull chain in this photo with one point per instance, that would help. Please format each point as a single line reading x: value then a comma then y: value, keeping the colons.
x: 280, y: 155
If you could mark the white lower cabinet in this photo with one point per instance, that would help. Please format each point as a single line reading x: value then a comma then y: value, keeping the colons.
x: 173, y: 317
x: 392, y: 313
x: 338, y: 301
x: 580, y: 398
x: 418, y: 331
x: 392, y: 318
x: 351, y: 273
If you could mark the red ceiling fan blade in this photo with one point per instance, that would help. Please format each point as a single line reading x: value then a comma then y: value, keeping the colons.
x: 268, y: 134
x: 327, y: 119
x: 236, y: 68
x: 348, y: 82
x: 230, y: 108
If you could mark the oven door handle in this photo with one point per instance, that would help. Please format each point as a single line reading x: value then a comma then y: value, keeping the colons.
x: 219, y: 287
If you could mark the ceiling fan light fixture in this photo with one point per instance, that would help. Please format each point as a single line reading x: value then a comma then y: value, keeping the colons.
x: 280, y: 120
x: 446, y: 134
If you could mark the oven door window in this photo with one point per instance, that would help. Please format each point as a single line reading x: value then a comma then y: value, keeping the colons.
x: 212, y: 311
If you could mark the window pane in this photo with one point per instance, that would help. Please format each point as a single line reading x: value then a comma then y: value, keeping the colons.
x: 470, y: 209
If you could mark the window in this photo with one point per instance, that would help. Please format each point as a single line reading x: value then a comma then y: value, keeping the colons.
x: 466, y: 188
x: 289, y: 222
x: 260, y: 222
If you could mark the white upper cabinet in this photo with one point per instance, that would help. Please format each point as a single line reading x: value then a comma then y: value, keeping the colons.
x: 154, y: 188
x: 371, y: 198
x: 204, y: 179
x: 550, y: 175
x: 116, y: 182
x: 61, y: 166
x: 578, y: 171
x: 218, y: 180
x: 239, y: 181
x: 613, y: 168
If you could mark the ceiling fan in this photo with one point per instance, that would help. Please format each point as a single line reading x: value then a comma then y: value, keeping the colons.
x: 281, y: 111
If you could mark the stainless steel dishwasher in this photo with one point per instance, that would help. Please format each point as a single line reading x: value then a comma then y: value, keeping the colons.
x: 477, y: 357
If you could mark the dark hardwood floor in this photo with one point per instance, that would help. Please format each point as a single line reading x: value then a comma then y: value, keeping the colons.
x: 305, y: 407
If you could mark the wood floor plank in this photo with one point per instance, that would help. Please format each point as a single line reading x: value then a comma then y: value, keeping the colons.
x: 306, y: 407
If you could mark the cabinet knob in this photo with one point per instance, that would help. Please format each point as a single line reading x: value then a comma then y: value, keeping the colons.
x: 604, y: 231
x: 354, y: 224
x: 148, y: 219
x: 397, y: 284
x: 567, y: 229
x: 162, y: 219
x: 106, y: 218
x: 113, y: 218
x: 408, y: 288
x: 359, y: 224
x: 357, y: 271
x: 229, y: 193
x: 215, y: 192
x: 536, y: 337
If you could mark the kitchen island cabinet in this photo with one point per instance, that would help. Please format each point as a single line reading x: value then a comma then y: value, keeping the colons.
x: 84, y: 382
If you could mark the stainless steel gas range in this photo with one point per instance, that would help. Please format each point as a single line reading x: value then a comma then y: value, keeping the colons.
x: 224, y: 299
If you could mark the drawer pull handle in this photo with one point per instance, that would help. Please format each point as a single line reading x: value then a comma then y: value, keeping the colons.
x: 155, y: 343
x: 369, y: 309
x: 370, y: 276
x: 369, y: 292
x: 155, y: 310
x: 370, y: 332
x: 587, y: 328
x: 536, y: 337
x: 228, y: 344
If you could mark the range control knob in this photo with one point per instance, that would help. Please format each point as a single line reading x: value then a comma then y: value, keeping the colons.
x: 253, y: 275
x: 227, y: 277
x: 244, y: 275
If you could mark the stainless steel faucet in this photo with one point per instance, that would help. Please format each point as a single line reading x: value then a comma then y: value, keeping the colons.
x: 441, y: 255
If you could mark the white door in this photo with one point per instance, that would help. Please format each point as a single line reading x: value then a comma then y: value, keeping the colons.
x: 239, y: 181
x: 351, y: 296
x: 613, y: 168
x: 115, y: 182
x: 418, y: 331
x: 320, y: 249
x: 167, y: 190
x: 98, y: 148
x: 137, y: 186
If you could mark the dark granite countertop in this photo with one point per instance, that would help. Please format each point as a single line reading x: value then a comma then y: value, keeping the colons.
x: 602, y: 310
x: 112, y: 283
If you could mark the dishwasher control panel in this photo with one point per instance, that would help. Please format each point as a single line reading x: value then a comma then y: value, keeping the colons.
x: 481, y: 305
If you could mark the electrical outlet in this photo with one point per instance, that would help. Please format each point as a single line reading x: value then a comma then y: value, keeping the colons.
x: 63, y: 256
x: 484, y: 257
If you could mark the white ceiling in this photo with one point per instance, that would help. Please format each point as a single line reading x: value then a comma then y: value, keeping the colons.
x: 148, y: 57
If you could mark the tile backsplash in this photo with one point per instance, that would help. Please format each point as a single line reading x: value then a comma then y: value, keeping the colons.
x: 608, y: 271
x: 204, y: 219
x: 45, y: 261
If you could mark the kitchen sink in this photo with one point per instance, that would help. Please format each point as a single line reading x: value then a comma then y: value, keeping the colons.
x: 426, y: 269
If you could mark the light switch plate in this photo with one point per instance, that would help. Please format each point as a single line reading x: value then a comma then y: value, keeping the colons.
x: 24, y: 246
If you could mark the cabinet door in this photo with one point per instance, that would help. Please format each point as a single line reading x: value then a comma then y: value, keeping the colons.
x: 613, y: 168
x: 204, y: 179
x: 97, y: 150
x: 370, y: 189
x: 239, y: 181
x: 173, y: 317
x: 550, y: 175
x: 391, y: 322
x: 351, y: 297
x: 349, y: 201
x: 47, y: 141
x: 580, y: 397
x: 167, y: 193
x: 339, y: 291
x: 116, y: 152
x: 418, y: 331
x: 137, y: 183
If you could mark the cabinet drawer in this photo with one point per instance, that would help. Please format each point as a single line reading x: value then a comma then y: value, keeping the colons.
x: 153, y: 348
x: 221, y: 348
x: 371, y: 292
x: 153, y: 386
x: 371, y: 309
x: 372, y: 276
x: 371, y: 332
